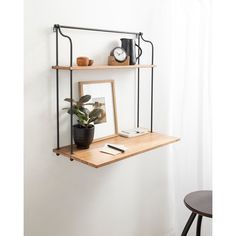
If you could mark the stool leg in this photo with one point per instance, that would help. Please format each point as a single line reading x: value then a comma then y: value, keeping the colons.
x: 189, y: 223
x: 199, y: 223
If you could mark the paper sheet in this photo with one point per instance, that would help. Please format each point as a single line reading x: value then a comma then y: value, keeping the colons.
x: 112, y: 151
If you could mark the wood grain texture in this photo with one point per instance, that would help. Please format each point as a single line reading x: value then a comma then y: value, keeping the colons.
x: 98, y: 67
x: 136, y: 145
x: 112, y: 62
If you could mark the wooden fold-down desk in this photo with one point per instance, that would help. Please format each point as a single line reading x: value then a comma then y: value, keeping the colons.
x: 136, y: 145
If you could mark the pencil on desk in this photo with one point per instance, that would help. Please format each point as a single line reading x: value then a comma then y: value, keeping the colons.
x: 116, y: 148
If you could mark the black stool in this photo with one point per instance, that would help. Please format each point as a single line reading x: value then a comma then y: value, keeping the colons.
x: 200, y: 203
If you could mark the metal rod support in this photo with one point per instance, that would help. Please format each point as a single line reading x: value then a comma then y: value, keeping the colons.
x: 97, y: 30
x: 71, y: 114
x: 71, y: 86
x: 138, y: 86
x: 152, y: 72
x: 57, y: 92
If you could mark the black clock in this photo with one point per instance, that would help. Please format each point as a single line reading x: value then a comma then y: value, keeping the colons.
x: 119, y: 54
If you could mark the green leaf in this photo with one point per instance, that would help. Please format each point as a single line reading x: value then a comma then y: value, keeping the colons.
x: 83, y: 99
x: 92, y: 119
x: 68, y: 100
x: 82, y: 117
x: 81, y: 120
x: 84, y: 110
x: 74, y: 110
x: 95, y: 113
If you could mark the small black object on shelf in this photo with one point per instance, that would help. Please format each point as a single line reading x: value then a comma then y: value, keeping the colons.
x: 129, y: 46
x: 83, y: 137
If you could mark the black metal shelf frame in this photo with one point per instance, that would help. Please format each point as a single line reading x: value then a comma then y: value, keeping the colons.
x: 57, y: 28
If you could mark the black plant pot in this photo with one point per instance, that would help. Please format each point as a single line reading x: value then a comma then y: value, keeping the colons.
x: 83, y: 137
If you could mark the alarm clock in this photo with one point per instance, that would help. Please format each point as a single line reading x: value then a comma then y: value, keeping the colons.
x: 118, y: 56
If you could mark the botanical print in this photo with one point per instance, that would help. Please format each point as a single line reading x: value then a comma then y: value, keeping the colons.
x: 102, y: 97
x: 99, y: 102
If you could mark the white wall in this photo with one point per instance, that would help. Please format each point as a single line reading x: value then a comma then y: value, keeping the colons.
x: 133, y: 197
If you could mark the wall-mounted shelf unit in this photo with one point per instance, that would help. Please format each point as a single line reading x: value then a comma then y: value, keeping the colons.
x: 136, y: 145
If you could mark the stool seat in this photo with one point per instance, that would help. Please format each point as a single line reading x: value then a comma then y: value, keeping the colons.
x: 200, y: 202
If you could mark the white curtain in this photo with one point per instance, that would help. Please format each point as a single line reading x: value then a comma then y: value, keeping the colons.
x: 187, y: 86
x: 190, y: 112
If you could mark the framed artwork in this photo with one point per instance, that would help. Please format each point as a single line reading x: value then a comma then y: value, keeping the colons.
x: 102, y: 96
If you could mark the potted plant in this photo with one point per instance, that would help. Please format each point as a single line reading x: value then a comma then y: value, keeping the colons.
x: 83, y: 132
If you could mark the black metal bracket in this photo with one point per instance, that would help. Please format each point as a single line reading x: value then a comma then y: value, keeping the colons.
x: 152, y: 74
x: 138, y: 85
x: 55, y: 27
x: 97, y: 30
x: 58, y: 29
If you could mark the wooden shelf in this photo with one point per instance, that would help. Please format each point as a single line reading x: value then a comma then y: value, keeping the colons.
x: 136, y: 145
x: 99, y: 67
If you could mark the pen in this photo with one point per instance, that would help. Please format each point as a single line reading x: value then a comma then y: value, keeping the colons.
x: 131, y: 132
x: 116, y: 148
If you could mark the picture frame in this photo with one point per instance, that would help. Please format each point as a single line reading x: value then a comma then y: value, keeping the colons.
x: 102, y: 96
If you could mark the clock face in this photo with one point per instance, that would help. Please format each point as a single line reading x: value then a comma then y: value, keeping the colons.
x: 120, y: 54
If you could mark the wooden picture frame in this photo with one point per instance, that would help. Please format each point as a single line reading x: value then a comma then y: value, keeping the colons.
x: 103, y: 92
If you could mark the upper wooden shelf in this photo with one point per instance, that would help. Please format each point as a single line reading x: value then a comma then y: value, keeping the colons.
x: 99, y: 67
x: 136, y: 145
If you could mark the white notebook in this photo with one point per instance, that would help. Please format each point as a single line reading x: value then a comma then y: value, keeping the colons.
x: 112, y: 151
x: 133, y: 132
